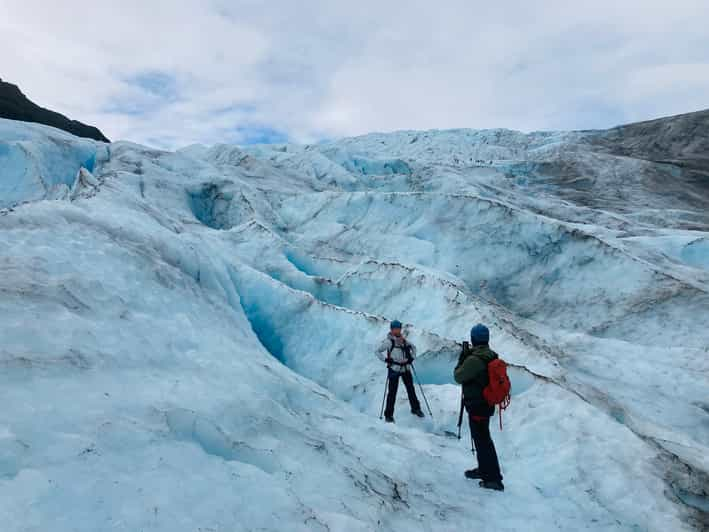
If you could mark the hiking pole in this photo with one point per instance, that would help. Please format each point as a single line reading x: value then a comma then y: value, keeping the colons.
x: 421, y: 388
x: 460, y: 415
x: 386, y: 385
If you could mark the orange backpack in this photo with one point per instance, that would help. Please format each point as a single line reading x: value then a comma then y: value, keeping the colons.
x: 497, y: 392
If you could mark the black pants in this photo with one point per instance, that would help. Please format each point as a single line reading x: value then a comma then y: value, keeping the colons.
x: 394, y: 386
x: 487, y: 456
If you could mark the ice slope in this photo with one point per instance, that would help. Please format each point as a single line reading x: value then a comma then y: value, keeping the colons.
x: 187, y: 337
x: 39, y: 162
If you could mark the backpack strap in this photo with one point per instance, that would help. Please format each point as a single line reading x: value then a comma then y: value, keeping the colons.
x: 405, y: 348
x: 393, y: 345
x: 391, y: 348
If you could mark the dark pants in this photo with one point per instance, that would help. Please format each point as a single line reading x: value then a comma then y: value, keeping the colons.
x: 394, y: 386
x: 487, y: 457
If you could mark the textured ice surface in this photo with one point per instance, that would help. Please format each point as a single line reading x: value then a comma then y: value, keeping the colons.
x: 36, y: 161
x: 187, y: 338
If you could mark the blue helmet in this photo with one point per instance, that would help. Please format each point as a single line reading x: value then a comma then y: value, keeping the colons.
x: 396, y: 324
x: 479, y: 335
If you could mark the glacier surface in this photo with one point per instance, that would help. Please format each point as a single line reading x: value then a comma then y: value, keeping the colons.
x: 187, y: 337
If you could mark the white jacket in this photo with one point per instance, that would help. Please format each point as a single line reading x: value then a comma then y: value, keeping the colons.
x: 397, y: 354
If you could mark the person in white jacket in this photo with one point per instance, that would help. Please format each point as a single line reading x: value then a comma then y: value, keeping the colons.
x: 398, y: 353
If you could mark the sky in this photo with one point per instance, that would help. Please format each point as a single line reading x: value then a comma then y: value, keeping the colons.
x: 174, y: 73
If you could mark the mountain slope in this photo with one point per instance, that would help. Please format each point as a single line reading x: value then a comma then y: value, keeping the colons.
x: 187, y: 337
x: 16, y: 106
x: 682, y: 139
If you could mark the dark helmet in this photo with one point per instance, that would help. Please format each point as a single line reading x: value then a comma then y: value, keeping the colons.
x: 479, y: 335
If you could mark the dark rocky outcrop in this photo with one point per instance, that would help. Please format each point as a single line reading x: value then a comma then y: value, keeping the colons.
x: 16, y: 106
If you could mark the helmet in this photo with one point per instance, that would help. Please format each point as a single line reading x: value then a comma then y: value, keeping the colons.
x: 479, y: 335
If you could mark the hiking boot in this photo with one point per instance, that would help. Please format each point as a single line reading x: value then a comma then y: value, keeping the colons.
x: 496, y: 485
x: 418, y: 413
x: 473, y: 474
x: 389, y: 419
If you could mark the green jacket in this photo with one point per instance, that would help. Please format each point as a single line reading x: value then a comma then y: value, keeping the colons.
x: 471, y: 372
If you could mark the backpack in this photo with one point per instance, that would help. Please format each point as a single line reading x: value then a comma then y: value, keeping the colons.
x: 497, y: 392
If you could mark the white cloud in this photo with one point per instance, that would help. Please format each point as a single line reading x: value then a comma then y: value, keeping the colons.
x: 321, y: 68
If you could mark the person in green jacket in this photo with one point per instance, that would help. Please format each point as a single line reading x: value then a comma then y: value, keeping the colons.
x: 471, y: 372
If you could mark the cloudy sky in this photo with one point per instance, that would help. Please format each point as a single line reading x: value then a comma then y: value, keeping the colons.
x: 171, y: 73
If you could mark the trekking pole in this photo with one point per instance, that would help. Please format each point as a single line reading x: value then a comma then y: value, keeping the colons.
x: 386, y: 385
x: 460, y: 415
x: 421, y: 388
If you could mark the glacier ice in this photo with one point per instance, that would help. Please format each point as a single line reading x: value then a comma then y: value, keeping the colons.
x: 187, y: 337
x: 37, y: 160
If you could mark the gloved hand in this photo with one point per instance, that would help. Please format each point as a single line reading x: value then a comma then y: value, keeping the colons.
x: 388, y: 361
x: 463, y: 353
x: 409, y: 360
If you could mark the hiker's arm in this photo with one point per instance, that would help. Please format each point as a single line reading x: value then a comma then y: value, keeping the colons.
x: 469, y: 369
x: 381, y: 350
x: 412, y: 351
x: 460, y: 357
